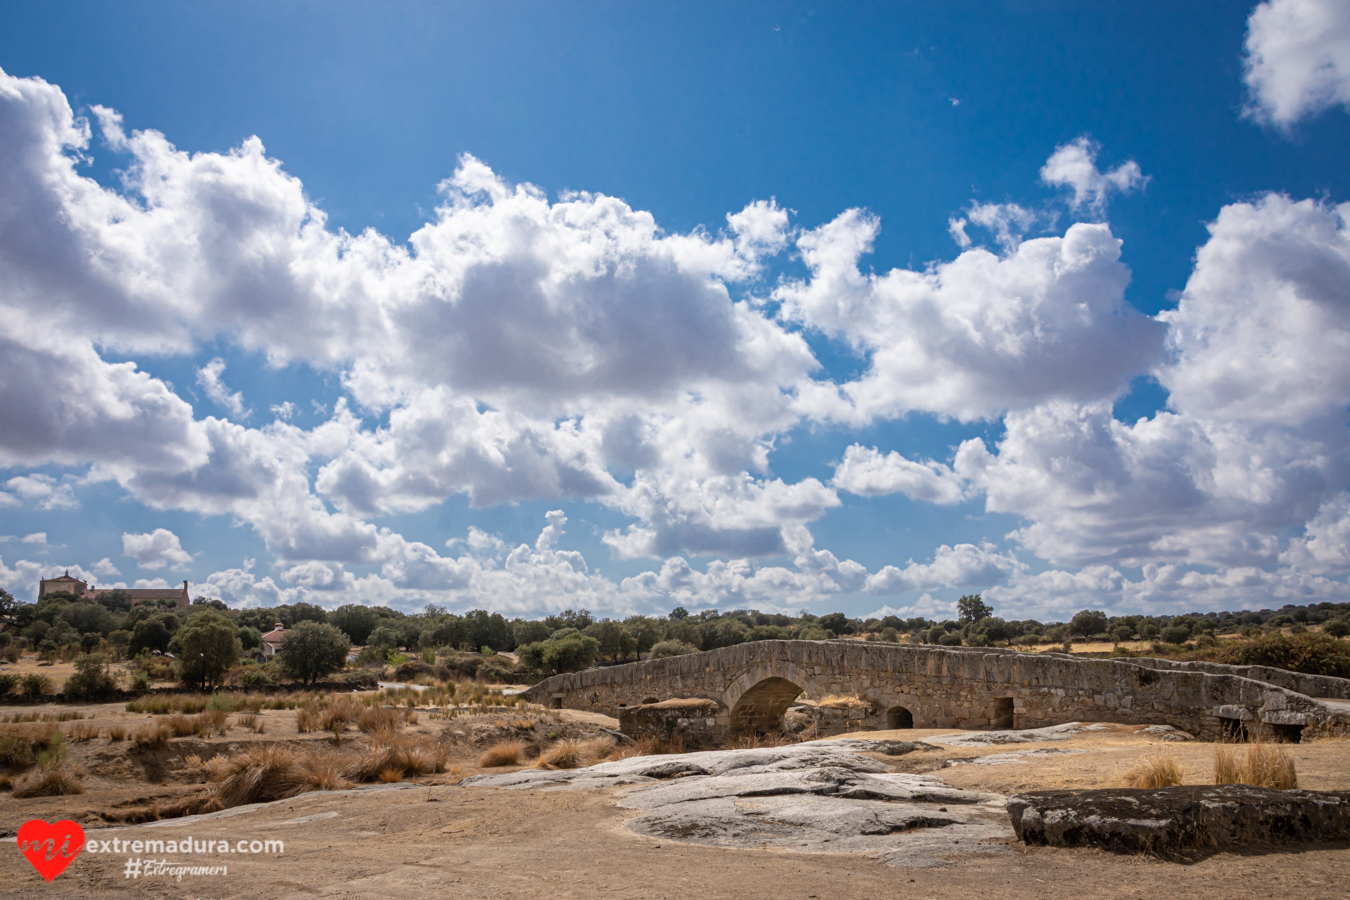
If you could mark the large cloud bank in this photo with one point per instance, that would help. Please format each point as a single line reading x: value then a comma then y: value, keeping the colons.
x: 521, y: 349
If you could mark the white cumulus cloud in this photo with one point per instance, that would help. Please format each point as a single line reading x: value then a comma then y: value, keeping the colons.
x: 1298, y: 58
x: 156, y: 549
x: 1074, y: 165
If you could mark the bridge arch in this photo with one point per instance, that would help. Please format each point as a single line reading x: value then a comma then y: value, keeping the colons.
x: 761, y: 707
x: 899, y: 717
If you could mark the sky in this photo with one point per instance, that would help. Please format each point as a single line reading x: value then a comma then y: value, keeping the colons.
x: 790, y: 306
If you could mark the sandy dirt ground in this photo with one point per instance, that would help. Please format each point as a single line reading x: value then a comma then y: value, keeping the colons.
x: 436, y: 839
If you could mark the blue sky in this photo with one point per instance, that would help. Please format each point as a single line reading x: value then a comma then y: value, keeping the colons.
x: 789, y: 306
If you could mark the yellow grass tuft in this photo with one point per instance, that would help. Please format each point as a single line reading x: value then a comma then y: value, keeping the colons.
x: 379, y: 719
x: 151, y: 737
x: 843, y: 701
x: 1157, y: 770
x: 502, y: 753
x: 274, y: 772
x: 568, y: 753
x: 408, y: 753
x: 1259, y: 763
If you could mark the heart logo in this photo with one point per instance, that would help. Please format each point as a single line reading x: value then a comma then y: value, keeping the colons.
x: 50, y: 848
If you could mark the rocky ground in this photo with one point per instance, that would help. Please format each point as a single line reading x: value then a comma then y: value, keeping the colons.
x: 720, y: 825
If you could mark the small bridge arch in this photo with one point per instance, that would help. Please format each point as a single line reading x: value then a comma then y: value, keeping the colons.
x: 761, y: 706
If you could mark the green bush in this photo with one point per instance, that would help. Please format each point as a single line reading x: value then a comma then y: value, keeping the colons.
x: 567, y: 651
x: 1176, y: 634
x: 35, y: 685
x: 667, y: 649
x: 1311, y: 654
x: 1337, y: 628
x: 950, y: 640
x: 208, y: 647
x: 363, y: 680
x: 8, y: 681
x: 254, y: 677
x: 311, y: 651
x: 92, y: 679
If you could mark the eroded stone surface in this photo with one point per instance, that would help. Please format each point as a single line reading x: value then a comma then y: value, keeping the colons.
x: 1015, y: 757
x: 825, y: 797
x: 1022, y: 736
x: 1132, y: 820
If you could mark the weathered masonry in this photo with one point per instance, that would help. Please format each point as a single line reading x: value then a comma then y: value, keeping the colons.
x: 752, y: 685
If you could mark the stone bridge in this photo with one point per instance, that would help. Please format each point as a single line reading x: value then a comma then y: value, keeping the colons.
x: 750, y: 686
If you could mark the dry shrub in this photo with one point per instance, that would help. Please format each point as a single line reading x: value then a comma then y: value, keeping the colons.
x: 1157, y: 770
x: 391, y: 775
x: 337, y: 716
x: 568, y: 753
x: 379, y: 719
x: 52, y: 779
x: 20, y: 744
x: 523, y: 724
x: 181, y: 725
x: 266, y: 772
x: 167, y: 809
x: 83, y: 732
x: 117, y: 733
x: 322, y: 771
x: 151, y: 737
x: 216, y: 720
x: 6, y: 783
x: 249, y: 720
x: 407, y: 753
x: 502, y: 753
x: 1258, y: 763
x: 305, y: 721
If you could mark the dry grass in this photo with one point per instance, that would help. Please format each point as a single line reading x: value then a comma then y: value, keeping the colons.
x: 266, y: 772
x: 643, y: 746
x: 571, y: 753
x: 117, y: 732
x: 843, y: 701
x: 151, y: 737
x: 390, y: 776
x: 49, y: 781
x: 1157, y: 770
x: 83, y: 732
x: 502, y: 753
x: 21, y: 744
x: 204, y: 724
x: 337, y: 716
x: 407, y: 753
x: 1259, y: 763
x: 379, y: 719
x: 252, y: 721
x: 156, y: 810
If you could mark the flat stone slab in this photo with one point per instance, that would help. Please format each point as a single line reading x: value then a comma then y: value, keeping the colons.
x: 1021, y: 736
x: 1012, y: 757
x: 1133, y: 820
x: 818, y: 797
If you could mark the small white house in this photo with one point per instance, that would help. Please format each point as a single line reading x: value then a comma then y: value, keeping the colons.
x: 271, y: 641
